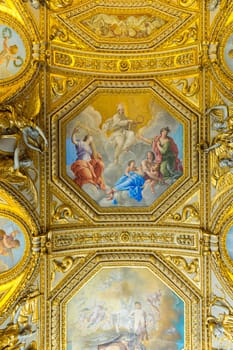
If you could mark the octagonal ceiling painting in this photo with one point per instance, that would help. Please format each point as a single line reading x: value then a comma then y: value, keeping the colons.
x: 124, y: 149
x: 125, y: 308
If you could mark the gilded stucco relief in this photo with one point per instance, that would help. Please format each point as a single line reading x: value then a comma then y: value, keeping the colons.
x: 116, y: 175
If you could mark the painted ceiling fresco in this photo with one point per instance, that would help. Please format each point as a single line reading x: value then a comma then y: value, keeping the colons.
x: 137, y: 159
x: 116, y: 173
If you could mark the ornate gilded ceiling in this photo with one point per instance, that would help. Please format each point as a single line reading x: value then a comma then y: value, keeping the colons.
x: 116, y: 174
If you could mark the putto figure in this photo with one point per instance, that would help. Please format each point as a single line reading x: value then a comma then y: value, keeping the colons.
x: 8, y: 242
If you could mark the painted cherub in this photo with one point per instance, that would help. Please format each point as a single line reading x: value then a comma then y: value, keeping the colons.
x: 8, y: 242
x: 152, y: 171
x: 8, y: 52
x: 155, y: 177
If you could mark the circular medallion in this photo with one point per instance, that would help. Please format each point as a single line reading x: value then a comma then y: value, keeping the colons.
x: 16, y: 55
x: 12, y: 52
x: 12, y: 244
x: 229, y: 243
x: 228, y: 52
x: 19, y: 248
x: 226, y: 248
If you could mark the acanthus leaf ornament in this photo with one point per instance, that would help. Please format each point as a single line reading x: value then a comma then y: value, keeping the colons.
x: 65, y: 265
x: 189, y: 211
x: 192, y: 268
x: 188, y: 88
x: 62, y: 35
x: 63, y: 213
x: 60, y: 85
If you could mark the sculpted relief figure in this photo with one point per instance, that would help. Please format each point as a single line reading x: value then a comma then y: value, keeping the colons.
x: 17, y: 335
x: 221, y: 325
x: 19, y: 134
x: 222, y: 143
x: 224, y: 127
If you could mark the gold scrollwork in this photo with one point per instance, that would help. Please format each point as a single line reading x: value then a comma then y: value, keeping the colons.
x: 62, y: 34
x: 56, y: 32
x: 10, y: 339
x: 65, y: 265
x: 60, y: 85
x: 221, y: 326
x: 188, y: 212
x: 56, y: 4
x: 191, y: 268
x: 63, y: 213
x: 188, y: 34
x: 64, y: 59
x: 188, y: 88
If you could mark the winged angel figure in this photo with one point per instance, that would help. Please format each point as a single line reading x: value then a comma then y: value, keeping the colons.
x: 19, y: 134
